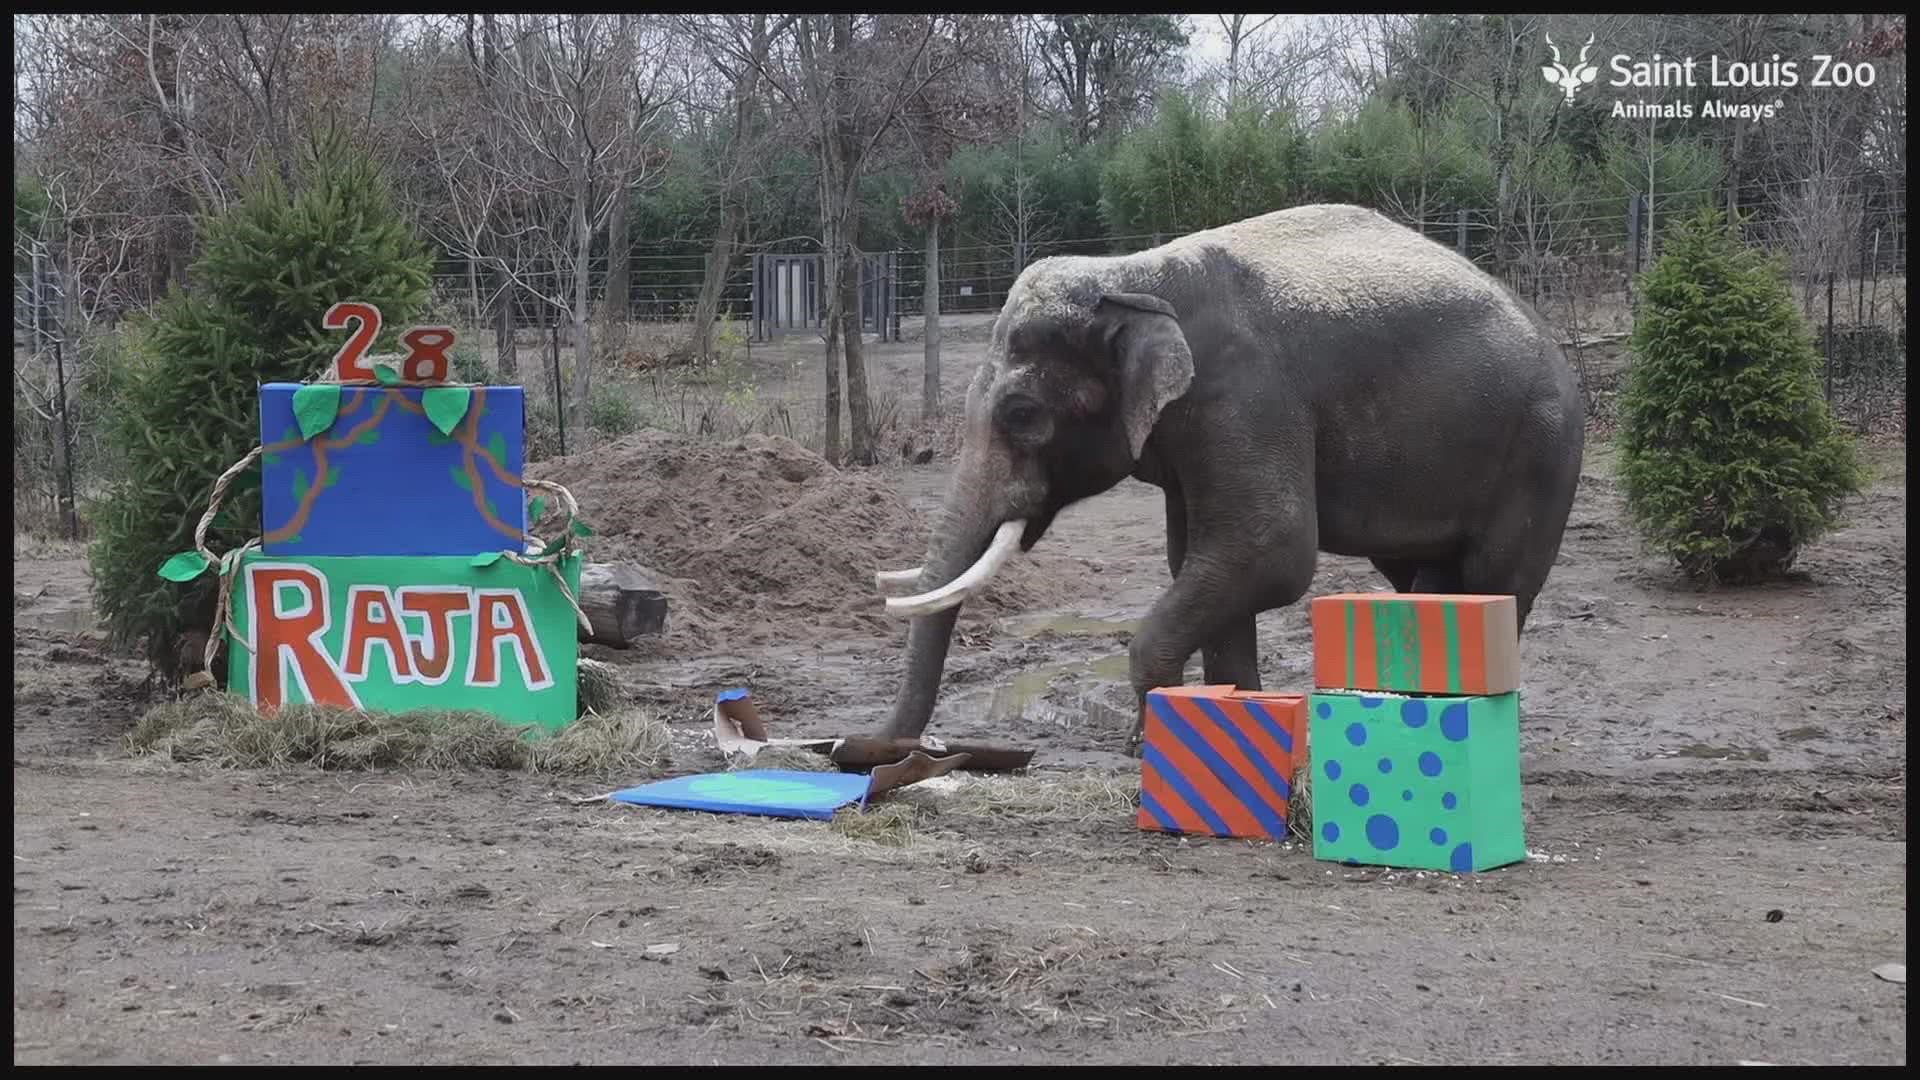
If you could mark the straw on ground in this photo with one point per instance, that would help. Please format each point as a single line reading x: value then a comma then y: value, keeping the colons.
x: 226, y: 731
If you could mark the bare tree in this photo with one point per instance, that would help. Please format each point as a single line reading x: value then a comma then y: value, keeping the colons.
x: 1104, y: 68
x: 739, y: 47
x: 536, y: 164
x: 850, y: 78
x: 967, y: 106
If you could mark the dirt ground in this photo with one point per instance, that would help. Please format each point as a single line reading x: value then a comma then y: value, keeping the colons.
x: 1715, y: 803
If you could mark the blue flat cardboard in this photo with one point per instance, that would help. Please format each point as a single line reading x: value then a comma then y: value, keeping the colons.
x: 770, y: 792
x: 375, y: 476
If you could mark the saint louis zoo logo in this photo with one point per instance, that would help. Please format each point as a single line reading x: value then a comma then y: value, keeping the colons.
x: 1570, y: 80
x: 1665, y: 72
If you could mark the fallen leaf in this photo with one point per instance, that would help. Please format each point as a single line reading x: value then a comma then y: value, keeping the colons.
x: 667, y: 948
x: 1893, y: 973
x: 602, y: 944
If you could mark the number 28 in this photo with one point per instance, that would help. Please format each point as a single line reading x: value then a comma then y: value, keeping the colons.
x: 427, y: 346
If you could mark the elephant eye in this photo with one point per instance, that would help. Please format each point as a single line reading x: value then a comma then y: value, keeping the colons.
x: 1020, y: 415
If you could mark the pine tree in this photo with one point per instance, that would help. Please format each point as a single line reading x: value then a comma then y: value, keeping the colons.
x: 1730, y: 459
x: 188, y: 406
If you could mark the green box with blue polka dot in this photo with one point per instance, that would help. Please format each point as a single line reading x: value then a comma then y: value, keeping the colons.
x: 1421, y: 783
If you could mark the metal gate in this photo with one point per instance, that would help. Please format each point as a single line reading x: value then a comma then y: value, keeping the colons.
x: 788, y: 295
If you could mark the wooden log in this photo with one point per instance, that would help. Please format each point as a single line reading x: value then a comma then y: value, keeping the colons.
x: 623, y: 602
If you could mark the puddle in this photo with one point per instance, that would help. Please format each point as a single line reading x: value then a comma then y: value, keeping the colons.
x: 1721, y: 753
x: 1030, y: 626
x: 1012, y: 698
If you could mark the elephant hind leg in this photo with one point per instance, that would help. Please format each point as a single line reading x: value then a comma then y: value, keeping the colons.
x: 1398, y: 572
x: 1507, y: 563
x: 1409, y: 576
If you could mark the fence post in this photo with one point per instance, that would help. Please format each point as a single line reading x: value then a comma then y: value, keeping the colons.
x: 1460, y: 232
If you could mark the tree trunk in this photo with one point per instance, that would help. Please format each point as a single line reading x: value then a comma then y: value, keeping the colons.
x: 707, y: 309
x: 853, y: 343
x: 505, y: 346
x: 930, y: 312
x: 622, y: 602
x: 616, y: 306
x: 841, y: 146
x: 732, y: 212
x: 830, y: 270
x: 582, y: 345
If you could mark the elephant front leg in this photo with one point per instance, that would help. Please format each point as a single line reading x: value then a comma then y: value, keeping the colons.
x: 1234, y: 656
x: 1198, y: 608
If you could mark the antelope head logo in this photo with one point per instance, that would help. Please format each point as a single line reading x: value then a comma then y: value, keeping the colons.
x: 1569, y: 79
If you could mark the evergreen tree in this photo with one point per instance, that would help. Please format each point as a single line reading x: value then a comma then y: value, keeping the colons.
x: 1730, y: 459
x: 187, y: 407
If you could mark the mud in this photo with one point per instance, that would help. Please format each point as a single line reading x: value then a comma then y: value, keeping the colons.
x: 1716, y: 805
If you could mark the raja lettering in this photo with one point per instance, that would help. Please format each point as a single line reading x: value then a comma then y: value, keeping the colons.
x: 410, y: 629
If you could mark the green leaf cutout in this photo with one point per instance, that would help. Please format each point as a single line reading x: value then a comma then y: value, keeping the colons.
x: 184, y: 567
x: 581, y: 528
x: 535, y: 508
x: 446, y: 406
x: 315, y: 407
x: 485, y: 558
x: 554, y: 545
x: 386, y: 375
x: 460, y: 477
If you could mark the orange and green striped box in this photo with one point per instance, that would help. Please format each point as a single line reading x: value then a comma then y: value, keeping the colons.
x: 1416, y: 643
x: 1217, y: 761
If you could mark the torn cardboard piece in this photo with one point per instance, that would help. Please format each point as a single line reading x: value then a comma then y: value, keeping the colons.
x: 739, y: 729
x: 786, y: 792
x: 871, y: 767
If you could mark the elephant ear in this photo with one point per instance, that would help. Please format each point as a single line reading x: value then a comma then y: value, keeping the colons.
x: 1151, y: 356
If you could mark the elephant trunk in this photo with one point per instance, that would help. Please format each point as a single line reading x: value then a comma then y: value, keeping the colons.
x: 970, y: 544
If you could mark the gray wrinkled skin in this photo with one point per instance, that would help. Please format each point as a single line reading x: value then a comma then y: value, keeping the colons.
x: 1313, y: 379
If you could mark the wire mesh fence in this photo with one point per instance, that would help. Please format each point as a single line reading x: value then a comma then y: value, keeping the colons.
x: 1843, y: 240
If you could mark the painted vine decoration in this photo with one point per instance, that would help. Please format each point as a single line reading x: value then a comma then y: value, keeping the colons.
x: 454, y: 410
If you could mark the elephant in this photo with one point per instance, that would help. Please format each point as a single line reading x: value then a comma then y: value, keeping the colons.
x: 1314, y: 379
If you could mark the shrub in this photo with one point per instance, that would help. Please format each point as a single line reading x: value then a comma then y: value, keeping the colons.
x: 188, y: 408
x: 1730, y: 459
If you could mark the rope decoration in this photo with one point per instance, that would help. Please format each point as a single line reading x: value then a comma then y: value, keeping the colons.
x: 547, y: 553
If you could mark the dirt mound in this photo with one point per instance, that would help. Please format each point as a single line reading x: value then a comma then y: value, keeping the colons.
x: 768, y: 542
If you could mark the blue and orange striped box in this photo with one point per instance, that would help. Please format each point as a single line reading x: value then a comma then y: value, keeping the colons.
x: 1216, y: 761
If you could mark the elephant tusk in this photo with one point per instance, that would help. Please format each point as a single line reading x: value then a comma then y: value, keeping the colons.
x: 892, y: 579
x: 950, y: 594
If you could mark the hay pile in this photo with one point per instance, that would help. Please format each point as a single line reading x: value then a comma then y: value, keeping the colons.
x: 766, y: 543
x: 224, y: 730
